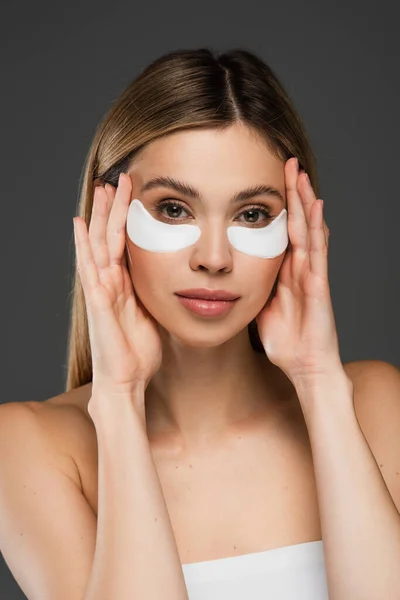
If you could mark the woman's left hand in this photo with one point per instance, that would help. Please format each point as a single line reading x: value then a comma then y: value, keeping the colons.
x: 297, y: 326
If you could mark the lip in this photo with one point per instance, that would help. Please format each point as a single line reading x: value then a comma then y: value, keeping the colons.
x: 207, y: 308
x: 207, y: 294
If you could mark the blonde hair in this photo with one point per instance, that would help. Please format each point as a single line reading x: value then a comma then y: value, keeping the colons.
x: 183, y: 89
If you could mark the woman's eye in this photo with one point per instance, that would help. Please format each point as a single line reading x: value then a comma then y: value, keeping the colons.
x: 254, y: 212
x: 173, y: 210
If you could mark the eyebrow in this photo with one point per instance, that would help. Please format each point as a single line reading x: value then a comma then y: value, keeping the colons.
x: 188, y: 190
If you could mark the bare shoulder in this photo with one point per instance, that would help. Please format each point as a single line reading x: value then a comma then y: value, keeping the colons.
x: 376, y: 395
x: 45, y: 518
x: 64, y: 424
x: 357, y: 368
x: 76, y: 399
x: 374, y: 381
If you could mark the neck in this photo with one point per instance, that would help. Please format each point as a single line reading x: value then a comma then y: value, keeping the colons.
x: 202, y: 393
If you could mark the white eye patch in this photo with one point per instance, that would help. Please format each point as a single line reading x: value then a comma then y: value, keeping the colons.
x: 155, y: 236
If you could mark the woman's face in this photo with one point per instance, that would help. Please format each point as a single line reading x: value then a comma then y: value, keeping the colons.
x: 218, y: 164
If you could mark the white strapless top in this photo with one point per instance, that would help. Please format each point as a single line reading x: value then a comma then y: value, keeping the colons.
x: 290, y: 573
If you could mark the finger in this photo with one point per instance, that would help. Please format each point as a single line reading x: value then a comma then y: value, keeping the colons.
x: 308, y: 197
x: 297, y: 222
x: 307, y: 194
x: 128, y: 286
x: 86, y: 265
x: 128, y: 289
x: 318, y: 243
x: 117, y: 219
x: 97, y: 228
x: 110, y: 189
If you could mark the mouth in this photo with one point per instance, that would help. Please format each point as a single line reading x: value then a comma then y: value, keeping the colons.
x: 208, y: 294
x: 207, y: 307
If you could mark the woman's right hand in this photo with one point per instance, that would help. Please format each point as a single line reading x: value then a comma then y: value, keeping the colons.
x: 124, y: 337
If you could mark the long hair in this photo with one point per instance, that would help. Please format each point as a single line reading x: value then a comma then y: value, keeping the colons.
x: 183, y: 89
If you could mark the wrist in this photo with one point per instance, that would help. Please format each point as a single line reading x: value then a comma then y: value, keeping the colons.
x: 326, y: 379
x: 325, y: 373
x: 335, y: 389
x: 105, y: 402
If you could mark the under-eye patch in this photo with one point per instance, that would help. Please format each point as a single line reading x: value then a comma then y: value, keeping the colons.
x: 155, y: 236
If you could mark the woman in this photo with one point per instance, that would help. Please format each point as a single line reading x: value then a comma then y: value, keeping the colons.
x: 191, y: 431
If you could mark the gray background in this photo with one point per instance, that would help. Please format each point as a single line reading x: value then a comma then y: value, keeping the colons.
x: 63, y: 64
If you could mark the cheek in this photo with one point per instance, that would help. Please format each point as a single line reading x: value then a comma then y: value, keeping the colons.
x: 150, y: 272
x: 259, y: 276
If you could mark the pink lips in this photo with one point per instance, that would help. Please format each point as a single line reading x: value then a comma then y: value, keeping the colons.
x: 208, y: 294
x: 206, y: 307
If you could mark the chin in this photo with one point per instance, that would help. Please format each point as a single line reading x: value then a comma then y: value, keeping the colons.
x: 203, y: 334
x: 200, y: 342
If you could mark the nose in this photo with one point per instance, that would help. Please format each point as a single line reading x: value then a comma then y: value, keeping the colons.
x: 212, y: 251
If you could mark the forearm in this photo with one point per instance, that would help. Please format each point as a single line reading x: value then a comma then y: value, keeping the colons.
x: 360, y: 523
x: 136, y: 556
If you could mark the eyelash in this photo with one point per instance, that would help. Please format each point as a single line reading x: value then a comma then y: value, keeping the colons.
x: 163, y: 203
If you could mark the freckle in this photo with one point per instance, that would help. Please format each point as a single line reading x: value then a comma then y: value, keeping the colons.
x: 155, y: 518
x: 190, y: 466
x: 234, y: 547
x: 381, y: 465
